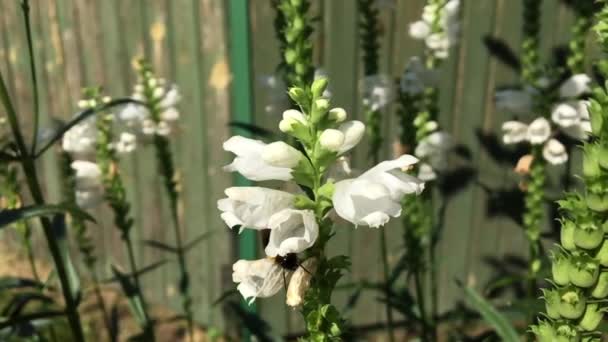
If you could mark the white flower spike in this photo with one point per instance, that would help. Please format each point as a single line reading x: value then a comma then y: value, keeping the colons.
x: 252, y: 207
x: 372, y: 198
x: 291, y: 231
x: 249, y: 162
x: 260, y: 278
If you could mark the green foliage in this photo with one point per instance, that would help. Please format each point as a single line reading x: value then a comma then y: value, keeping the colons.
x: 293, y: 23
x: 498, y: 321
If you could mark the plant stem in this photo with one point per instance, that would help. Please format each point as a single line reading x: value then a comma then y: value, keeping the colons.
x: 29, y: 169
x: 426, y: 330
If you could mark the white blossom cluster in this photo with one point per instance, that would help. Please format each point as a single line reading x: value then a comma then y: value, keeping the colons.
x: 439, y: 27
x: 80, y: 142
x: 417, y: 77
x: 569, y: 115
x: 433, y: 153
x: 367, y: 200
x: 154, y: 93
x: 377, y: 91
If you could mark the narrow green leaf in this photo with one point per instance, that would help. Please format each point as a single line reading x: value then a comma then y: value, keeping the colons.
x: 60, y: 232
x: 198, y: 239
x: 159, y: 245
x: 129, y: 289
x: 139, y: 272
x: 8, y: 282
x: 14, y: 321
x: 10, y: 216
x: 500, y: 323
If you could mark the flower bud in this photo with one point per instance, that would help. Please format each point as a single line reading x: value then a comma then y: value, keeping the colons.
x: 337, y: 114
x: 572, y: 303
x: 544, y: 332
x: 602, y: 254
x: 602, y: 157
x: 567, y: 235
x: 597, y: 202
x: 318, y: 87
x: 291, y: 118
x: 331, y: 140
x: 431, y: 126
x: 297, y: 94
x: 600, y: 290
x: 300, y: 282
x: 552, y: 301
x: 290, y: 56
x: 583, y: 271
x: 319, y: 109
x: 588, y: 236
x: 592, y: 317
x: 591, y: 166
x: 560, y: 269
x: 280, y: 154
x: 566, y: 333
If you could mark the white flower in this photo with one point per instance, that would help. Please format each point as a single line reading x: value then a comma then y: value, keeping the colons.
x: 539, y: 131
x: 133, y: 114
x: 377, y: 91
x: 148, y: 127
x: 252, y: 207
x: 292, y: 117
x: 516, y: 101
x: 89, y: 198
x: 575, y: 86
x: 353, y: 132
x: 81, y: 139
x: 300, y: 282
x: 87, y: 174
x: 171, y: 98
x: 258, y: 278
x: 426, y: 173
x: 434, y: 149
x: 331, y: 140
x: 337, y: 114
x: 554, y: 152
x: 88, y: 187
x: 162, y: 128
x: 291, y: 231
x: 419, y: 29
x: 249, y: 162
x: 417, y: 77
x: 281, y: 154
x: 170, y: 114
x: 373, y: 197
x: 514, y: 132
x: 565, y: 114
x: 126, y: 143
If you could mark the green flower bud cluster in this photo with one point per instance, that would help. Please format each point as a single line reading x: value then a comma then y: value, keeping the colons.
x: 369, y: 35
x: 297, y: 52
x: 576, y: 304
x: 530, y: 44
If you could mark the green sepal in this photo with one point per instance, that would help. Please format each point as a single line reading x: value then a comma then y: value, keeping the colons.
x: 583, y: 271
x: 560, y: 269
x: 552, y: 302
x: 302, y: 202
x: 588, y: 236
x: 572, y: 303
x: 600, y: 290
x: 602, y: 254
x: 591, y: 318
x: 304, y: 173
x: 567, y: 235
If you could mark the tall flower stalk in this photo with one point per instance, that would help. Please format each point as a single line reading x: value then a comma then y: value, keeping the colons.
x: 535, y: 193
x: 106, y: 169
x: 576, y: 303
x: 300, y: 224
x: 419, y: 112
x: 293, y: 24
x: 160, y: 104
x: 369, y: 32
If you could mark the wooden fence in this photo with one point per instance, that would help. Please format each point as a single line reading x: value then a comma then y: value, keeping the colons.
x: 87, y: 42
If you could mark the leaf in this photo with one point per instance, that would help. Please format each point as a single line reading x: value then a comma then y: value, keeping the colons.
x: 160, y: 246
x: 254, y: 130
x: 132, y: 293
x: 198, y: 240
x: 503, y: 52
x: 19, y: 300
x: 60, y: 234
x: 227, y: 294
x: 58, y: 134
x: 10, y: 216
x: 502, y: 326
x: 7, y: 283
x: 14, y: 321
x: 139, y: 272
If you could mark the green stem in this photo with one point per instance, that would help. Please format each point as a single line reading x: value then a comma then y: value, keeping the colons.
x: 426, y: 329
x: 31, y: 176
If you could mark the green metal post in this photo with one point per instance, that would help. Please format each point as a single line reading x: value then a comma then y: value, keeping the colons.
x: 241, y: 99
